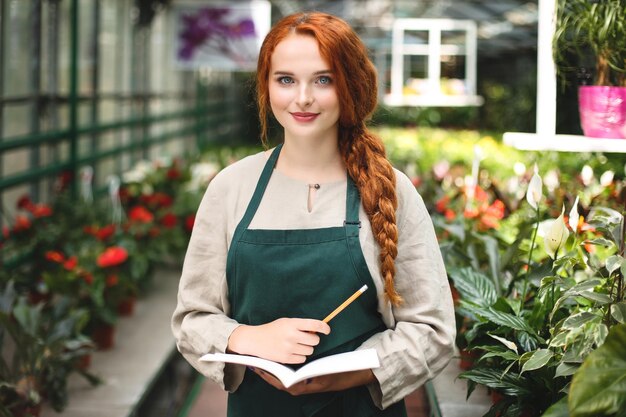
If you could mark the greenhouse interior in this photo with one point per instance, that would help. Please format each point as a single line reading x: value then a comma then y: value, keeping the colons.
x: 507, y: 117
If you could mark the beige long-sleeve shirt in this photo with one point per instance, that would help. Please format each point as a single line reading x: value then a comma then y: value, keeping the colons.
x: 420, y: 333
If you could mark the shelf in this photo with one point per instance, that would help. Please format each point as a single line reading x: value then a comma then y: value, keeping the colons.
x: 433, y: 100
x: 144, y: 345
x: 563, y: 143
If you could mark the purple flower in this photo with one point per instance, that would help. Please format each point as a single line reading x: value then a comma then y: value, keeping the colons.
x: 207, y: 29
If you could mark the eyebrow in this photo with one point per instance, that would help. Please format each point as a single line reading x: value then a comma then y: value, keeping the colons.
x: 291, y: 73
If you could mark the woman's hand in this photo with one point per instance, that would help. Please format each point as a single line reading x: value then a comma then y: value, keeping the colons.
x: 324, y: 383
x: 284, y: 340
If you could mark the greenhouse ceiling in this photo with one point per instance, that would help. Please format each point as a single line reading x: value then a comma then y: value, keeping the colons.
x: 504, y: 26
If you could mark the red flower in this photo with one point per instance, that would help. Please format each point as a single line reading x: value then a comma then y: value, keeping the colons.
x: 162, y: 200
x: 189, y: 222
x: 5, y: 232
x: 173, y: 173
x: 169, y: 220
x: 112, y: 280
x: 442, y: 204
x: 105, y: 232
x: 87, y: 277
x: 90, y: 230
x: 140, y: 214
x: 112, y: 256
x: 54, y: 256
x: 64, y: 180
x: 71, y: 263
x: 41, y: 210
x: 22, y: 223
x: 154, y: 232
x: 24, y: 203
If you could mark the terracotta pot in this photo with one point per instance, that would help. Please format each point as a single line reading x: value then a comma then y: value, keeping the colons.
x: 602, y: 111
x: 27, y: 411
x: 126, y: 307
x: 35, y: 297
x: 84, y: 362
x: 467, y: 359
x: 103, y: 336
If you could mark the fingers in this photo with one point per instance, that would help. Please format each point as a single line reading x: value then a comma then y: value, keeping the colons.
x: 310, y: 325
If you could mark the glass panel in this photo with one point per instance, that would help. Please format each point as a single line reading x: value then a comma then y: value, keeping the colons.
x: 17, y: 48
x: 16, y: 120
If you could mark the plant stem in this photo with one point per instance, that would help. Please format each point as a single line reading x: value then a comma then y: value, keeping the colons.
x: 530, y: 255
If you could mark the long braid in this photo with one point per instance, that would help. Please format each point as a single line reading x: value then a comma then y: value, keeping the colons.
x: 364, y: 156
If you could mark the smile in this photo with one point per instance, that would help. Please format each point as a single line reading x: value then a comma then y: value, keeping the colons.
x: 304, y: 117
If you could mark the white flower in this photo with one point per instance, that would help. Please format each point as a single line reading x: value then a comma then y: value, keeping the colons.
x: 519, y: 168
x: 607, y: 178
x: 586, y: 174
x: 556, y: 235
x: 533, y: 194
x: 574, y: 216
x: 551, y: 180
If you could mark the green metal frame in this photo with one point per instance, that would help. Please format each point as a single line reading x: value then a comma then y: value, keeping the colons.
x: 202, y: 109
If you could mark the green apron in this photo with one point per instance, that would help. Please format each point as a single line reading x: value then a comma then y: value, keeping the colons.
x: 304, y: 274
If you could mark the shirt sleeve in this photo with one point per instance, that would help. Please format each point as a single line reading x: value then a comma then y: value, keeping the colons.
x: 200, y: 322
x: 420, y: 341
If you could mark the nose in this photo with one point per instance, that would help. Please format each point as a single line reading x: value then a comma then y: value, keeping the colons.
x: 305, y: 97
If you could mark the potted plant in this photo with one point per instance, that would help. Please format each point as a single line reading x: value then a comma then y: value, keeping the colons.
x: 595, y: 29
x: 40, y: 347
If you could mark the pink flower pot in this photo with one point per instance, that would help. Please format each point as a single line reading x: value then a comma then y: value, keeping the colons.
x: 602, y: 111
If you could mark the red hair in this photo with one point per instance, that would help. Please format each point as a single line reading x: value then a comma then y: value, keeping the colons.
x: 363, y: 152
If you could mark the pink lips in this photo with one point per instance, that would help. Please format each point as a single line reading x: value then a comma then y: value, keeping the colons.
x: 304, y: 117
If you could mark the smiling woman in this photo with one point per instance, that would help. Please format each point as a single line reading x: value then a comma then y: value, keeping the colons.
x: 258, y: 284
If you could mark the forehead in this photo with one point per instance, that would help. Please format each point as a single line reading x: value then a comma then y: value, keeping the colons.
x: 298, y: 50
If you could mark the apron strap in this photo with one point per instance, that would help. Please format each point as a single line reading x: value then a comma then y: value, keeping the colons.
x: 353, y: 202
x: 259, y: 190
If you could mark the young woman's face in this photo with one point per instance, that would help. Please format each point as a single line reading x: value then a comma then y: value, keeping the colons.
x: 302, y: 90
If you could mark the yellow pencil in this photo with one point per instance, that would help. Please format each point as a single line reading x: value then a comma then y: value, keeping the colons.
x: 345, y: 304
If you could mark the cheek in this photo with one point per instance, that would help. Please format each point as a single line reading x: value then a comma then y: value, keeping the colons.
x: 329, y: 100
x: 279, y: 98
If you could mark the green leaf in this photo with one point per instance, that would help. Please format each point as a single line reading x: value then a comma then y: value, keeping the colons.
x: 507, y: 384
x: 505, y: 319
x: 505, y: 342
x: 599, y: 386
x: 596, y: 296
x: 566, y: 369
x: 558, y: 409
x: 579, y: 319
x: 613, y: 263
x: 538, y: 359
x: 474, y: 286
x: 618, y: 311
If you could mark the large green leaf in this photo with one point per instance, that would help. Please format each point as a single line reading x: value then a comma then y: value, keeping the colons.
x: 512, y: 385
x: 558, y: 409
x: 599, y: 386
x: 474, y: 286
x: 538, y: 359
x: 505, y: 319
x: 618, y: 311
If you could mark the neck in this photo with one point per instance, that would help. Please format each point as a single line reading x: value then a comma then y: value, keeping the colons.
x: 311, y: 160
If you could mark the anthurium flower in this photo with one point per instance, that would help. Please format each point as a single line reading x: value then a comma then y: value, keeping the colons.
x: 112, y: 256
x: 533, y: 194
x: 140, y: 214
x: 556, y: 235
x: 574, y: 216
x: 54, y: 256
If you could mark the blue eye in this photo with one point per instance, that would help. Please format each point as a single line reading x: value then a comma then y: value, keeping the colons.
x: 324, y: 79
x: 285, y: 80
